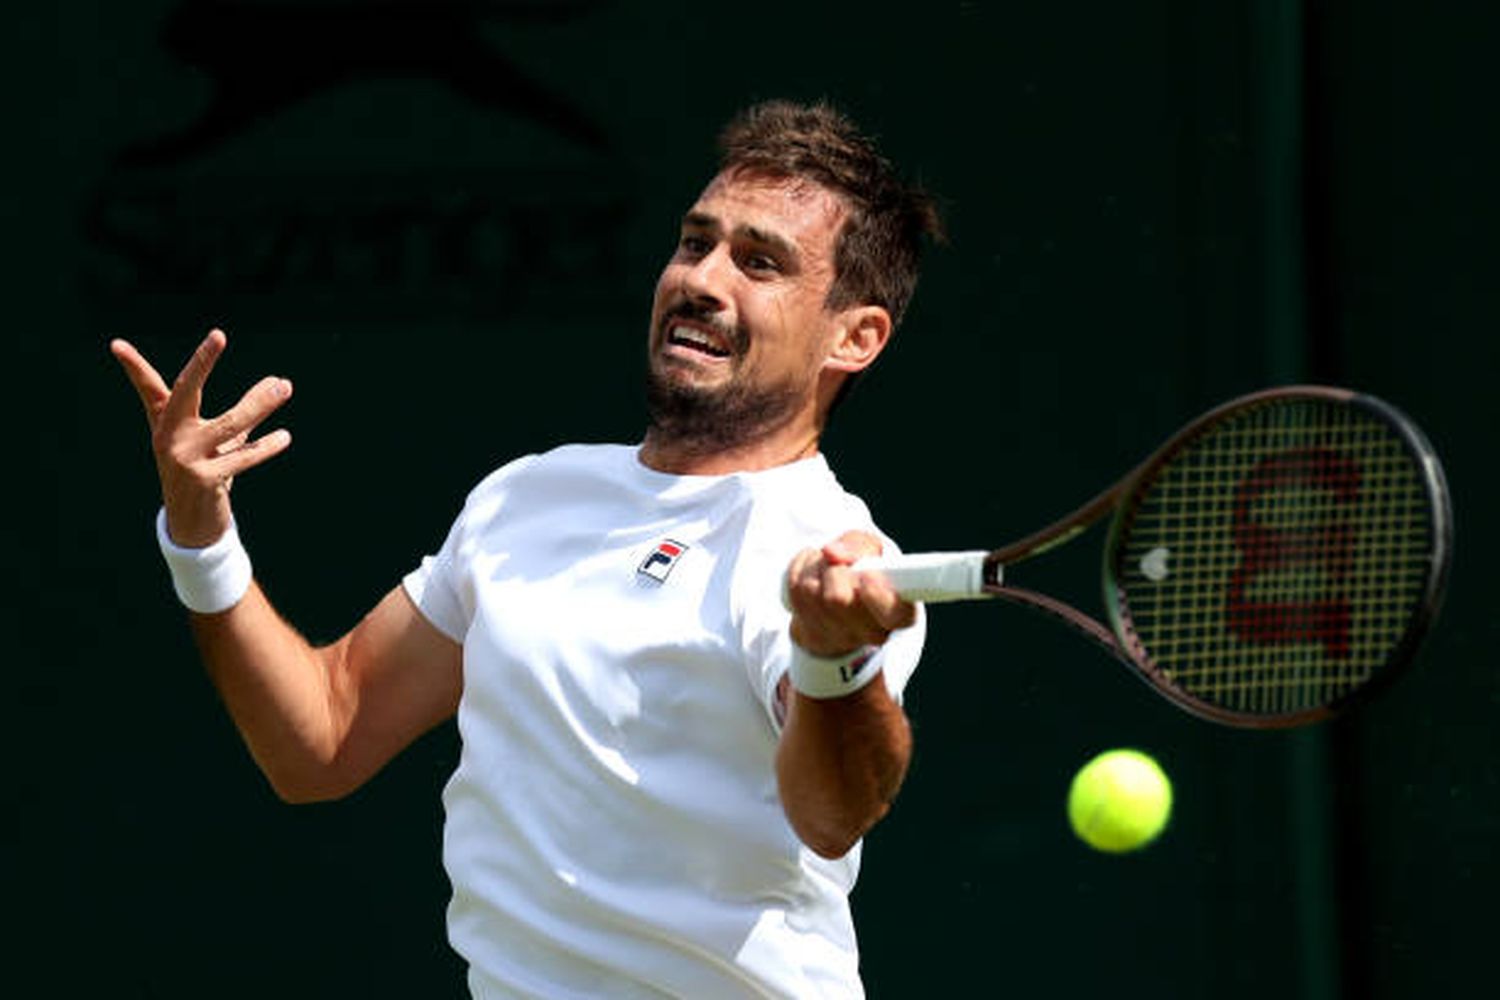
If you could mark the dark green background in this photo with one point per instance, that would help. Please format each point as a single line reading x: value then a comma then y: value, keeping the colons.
x: 1154, y: 206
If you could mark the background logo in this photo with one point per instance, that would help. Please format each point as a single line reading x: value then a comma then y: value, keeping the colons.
x: 362, y: 161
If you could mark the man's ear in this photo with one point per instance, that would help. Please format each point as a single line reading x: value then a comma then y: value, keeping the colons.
x: 861, y: 333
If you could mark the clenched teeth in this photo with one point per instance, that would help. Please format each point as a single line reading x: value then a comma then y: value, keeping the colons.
x: 697, y: 339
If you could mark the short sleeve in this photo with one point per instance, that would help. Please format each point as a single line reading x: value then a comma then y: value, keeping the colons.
x: 440, y: 586
x: 431, y: 587
x: 899, y: 656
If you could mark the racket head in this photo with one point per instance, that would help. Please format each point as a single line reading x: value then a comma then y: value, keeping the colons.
x: 1281, y: 557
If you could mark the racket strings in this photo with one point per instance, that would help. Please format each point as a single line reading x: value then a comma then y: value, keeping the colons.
x: 1273, y: 563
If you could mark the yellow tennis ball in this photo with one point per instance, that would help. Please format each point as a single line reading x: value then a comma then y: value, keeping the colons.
x: 1119, y: 801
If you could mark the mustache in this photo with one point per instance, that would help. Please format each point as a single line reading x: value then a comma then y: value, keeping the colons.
x: 736, y: 336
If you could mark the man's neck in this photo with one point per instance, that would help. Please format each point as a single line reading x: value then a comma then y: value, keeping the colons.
x: 696, y: 458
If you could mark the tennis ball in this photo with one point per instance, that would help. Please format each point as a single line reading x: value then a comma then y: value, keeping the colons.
x: 1119, y: 801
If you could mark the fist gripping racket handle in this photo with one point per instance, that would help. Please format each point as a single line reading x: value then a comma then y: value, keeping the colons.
x: 933, y: 577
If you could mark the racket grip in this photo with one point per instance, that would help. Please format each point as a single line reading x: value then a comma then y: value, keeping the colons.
x: 932, y: 577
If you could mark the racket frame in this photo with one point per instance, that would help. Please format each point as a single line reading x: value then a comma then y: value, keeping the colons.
x: 966, y: 575
x: 1132, y: 651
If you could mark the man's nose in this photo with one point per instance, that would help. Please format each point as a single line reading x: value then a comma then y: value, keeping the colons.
x: 706, y: 281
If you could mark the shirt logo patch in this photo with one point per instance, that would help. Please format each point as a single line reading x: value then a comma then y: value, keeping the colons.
x: 659, y: 563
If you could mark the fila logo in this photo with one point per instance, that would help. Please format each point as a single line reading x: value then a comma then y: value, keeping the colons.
x: 849, y: 671
x: 661, y: 560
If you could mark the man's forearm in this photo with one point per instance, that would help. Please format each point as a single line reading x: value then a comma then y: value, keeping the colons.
x: 279, y: 691
x: 839, y: 764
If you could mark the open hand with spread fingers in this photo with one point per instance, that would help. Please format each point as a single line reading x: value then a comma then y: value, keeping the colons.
x: 198, y: 457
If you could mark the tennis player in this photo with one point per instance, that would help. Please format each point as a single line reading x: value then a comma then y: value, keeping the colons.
x: 679, y: 708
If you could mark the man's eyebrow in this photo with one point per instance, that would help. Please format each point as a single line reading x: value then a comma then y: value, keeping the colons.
x: 778, y: 243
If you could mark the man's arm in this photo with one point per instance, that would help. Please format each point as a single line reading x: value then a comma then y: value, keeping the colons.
x: 841, y: 760
x: 321, y: 721
x: 318, y: 721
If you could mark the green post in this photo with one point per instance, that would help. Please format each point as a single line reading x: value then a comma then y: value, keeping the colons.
x: 1278, y: 30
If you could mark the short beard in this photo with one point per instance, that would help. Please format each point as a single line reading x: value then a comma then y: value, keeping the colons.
x: 706, y: 421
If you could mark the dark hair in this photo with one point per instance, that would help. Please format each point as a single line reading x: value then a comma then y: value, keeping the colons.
x: 878, y: 251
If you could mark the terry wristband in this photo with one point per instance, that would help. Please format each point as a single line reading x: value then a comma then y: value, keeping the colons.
x: 210, y: 579
x: 832, y: 677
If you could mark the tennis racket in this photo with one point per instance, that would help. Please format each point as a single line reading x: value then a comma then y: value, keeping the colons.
x: 1272, y: 563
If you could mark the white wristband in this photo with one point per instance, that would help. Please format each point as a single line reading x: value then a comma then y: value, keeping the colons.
x: 832, y: 677
x: 207, y: 580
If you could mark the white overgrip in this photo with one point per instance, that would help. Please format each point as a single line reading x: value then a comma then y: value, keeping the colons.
x: 932, y: 577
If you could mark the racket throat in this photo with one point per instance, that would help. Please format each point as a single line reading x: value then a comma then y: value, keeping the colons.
x: 991, y: 573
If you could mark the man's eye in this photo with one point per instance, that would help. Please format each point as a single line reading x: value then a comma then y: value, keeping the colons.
x: 695, y: 246
x: 762, y: 262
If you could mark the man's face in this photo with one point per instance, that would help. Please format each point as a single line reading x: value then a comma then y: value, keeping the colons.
x: 739, y: 331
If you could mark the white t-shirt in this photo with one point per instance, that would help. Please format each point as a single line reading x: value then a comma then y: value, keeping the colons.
x: 613, y: 827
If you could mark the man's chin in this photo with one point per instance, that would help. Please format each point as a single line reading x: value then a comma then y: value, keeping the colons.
x: 675, y: 394
x: 692, y: 374
x: 719, y: 414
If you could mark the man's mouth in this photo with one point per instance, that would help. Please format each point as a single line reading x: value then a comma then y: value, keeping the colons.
x: 698, y: 340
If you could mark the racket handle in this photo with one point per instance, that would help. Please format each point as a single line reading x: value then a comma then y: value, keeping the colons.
x: 932, y: 576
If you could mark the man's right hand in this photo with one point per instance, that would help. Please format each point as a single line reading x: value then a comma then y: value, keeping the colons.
x: 197, y: 458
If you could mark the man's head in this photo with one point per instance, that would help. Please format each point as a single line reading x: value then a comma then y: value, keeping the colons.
x: 878, y: 251
x: 791, y: 270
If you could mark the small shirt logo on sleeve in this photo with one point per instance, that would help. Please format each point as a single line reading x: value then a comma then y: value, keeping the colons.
x: 658, y: 564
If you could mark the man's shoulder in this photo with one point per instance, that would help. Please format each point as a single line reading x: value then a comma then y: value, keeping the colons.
x: 564, y: 458
x: 809, y: 503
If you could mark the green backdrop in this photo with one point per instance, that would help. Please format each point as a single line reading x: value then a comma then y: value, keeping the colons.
x: 443, y: 220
